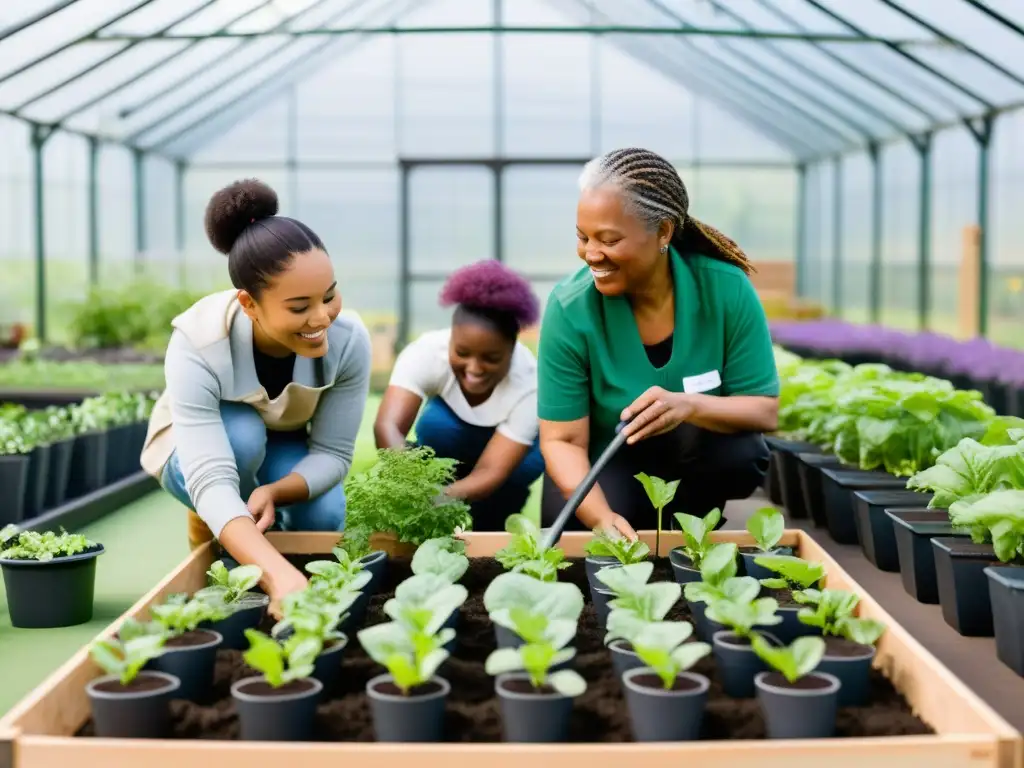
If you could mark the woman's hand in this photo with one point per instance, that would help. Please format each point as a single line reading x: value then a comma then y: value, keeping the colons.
x: 655, y: 412
x: 262, y: 507
x: 610, y: 522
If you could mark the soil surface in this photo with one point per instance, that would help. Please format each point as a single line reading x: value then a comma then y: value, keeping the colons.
x: 809, y: 683
x: 473, y: 709
x: 141, y: 684
x: 191, y: 639
x: 842, y: 648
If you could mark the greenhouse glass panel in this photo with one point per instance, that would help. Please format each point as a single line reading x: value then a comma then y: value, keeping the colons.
x: 17, y: 289
x: 451, y: 217
x: 975, y: 28
x: 116, y: 208
x: 161, y: 256
x: 539, y: 219
x: 988, y: 82
x: 718, y: 137
x: 269, y: 15
x: 449, y: 13
x: 901, y: 170
x: 261, y: 138
x: 217, y: 16
x: 533, y: 13
x: 856, y: 209
x: 346, y: 13
x: 1006, y: 231
x: 156, y: 16
x: 1011, y: 9
x: 55, y: 70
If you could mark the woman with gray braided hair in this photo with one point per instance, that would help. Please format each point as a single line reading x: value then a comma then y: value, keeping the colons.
x: 662, y: 329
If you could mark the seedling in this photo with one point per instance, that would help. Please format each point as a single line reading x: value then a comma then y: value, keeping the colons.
x: 316, y: 613
x: 341, y: 574
x: 355, y: 542
x: 719, y: 580
x: 281, y: 663
x: 424, y: 603
x: 697, y: 534
x: 126, y: 657
x: 42, y: 547
x: 178, y: 615
x: 525, y: 553
x: 633, y: 593
x: 545, y: 649
x: 229, y: 587
x: 793, y: 662
x: 766, y: 526
x: 833, y: 614
x: 557, y: 601
x: 794, y: 574
x: 662, y: 646
x: 613, y: 544
x: 443, y: 556
x: 660, y: 493
x: 741, y: 616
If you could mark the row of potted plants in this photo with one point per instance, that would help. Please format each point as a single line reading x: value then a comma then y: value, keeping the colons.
x: 57, y: 454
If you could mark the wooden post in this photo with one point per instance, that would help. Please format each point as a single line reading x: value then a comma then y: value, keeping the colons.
x: 969, y: 283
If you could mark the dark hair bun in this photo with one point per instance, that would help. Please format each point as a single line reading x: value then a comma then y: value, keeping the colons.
x: 234, y: 208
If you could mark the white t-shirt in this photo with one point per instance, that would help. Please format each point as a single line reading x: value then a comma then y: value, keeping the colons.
x: 423, y: 368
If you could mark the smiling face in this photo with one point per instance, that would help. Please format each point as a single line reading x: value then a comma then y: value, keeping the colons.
x: 295, y: 309
x: 620, y: 248
x: 480, y: 358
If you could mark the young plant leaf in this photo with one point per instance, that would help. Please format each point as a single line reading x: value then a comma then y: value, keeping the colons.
x: 793, y: 662
x: 794, y: 573
x: 766, y: 525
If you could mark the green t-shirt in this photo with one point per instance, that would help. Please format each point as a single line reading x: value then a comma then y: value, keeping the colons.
x: 592, y: 362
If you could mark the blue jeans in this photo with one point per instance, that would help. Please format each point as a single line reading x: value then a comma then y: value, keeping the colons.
x: 264, y: 457
x: 452, y: 438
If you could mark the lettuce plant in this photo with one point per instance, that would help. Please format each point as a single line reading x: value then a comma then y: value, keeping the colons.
x: 613, y: 544
x: 126, y: 657
x: 662, y: 646
x: 545, y: 648
x: 316, y: 613
x: 660, y: 493
x: 525, y: 553
x: 833, y: 614
x: 341, y: 574
x: 719, y: 580
x: 649, y: 601
x: 281, y: 663
x: 443, y: 556
x: 793, y: 662
x: 697, y: 534
x: 971, y: 470
x: 178, y: 615
x: 42, y: 547
x: 793, y: 573
x: 766, y: 525
x: 997, y: 517
x: 741, y: 616
x: 561, y: 603
x: 231, y: 588
x: 425, y: 602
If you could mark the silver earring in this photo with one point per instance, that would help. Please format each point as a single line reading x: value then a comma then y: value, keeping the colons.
x: 664, y: 249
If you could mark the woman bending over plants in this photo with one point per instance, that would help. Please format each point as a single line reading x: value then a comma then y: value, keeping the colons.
x: 474, y: 387
x: 266, y: 385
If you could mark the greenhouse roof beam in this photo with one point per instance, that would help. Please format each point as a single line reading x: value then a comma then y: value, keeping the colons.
x: 992, y: 13
x: 28, y: 21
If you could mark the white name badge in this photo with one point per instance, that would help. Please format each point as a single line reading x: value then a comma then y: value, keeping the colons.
x: 702, y: 383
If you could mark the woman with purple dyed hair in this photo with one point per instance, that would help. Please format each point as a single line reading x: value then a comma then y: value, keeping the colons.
x: 474, y: 387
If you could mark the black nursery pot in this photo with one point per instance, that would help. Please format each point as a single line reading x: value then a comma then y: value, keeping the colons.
x: 657, y: 714
x: 624, y: 658
x: 13, y: 482
x: 191, y: 658
x: 377, y: 564
x: 139, y: 710
x: 529, y: 714
x: 506, y: 638
x: 416, y: 717
x: 802, y: 710
x: 249, y: 615
x: 88, y: 464
x: 595, y: 563
x: 55, y: 593
x: 602, y: 599
x: 750, y: 568
x: 874, y: 527
x: 35, y: 482
x: 772, y: 485
x: 59, y: 472
x: 703, y: 627
x: 963, y: 589
x: 914, y: 531
x: 119, y: 446
x: 850, y: 664
x: 737, y: 663
x: 790, y: 628
x: 327, y: 667
x: 809, y: 467
x: 838, y: 486
x: 789, y: 481
x: 287, y: 713
x: 682, y: 567
x: 1006, y: 593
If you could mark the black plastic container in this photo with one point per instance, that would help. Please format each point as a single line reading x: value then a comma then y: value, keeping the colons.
x: 35, y: 482
x: 417, y: 717
x: 657, y: 714
x: 851, y: 667
x: 624, y: 658
x: 60, y: 471
x: 838, y: 486
x: 88, y: 471
x: 54, y: 593
x: 531, y: 716
x: 963, y: 587
x: 140, y: 710
x: 602, y: 598
x: 232, y: 629
x: 119, y: 450
x: 749, y: 566
x: 798, y: 711
x: 377, y: 564
x: 287, y: 713
x: 874, y: 527
x: 192, y: 659
x: 593, y: 564
x: 771, y: 484
x: 789, y: 480
x: 682, y: 567
x: 737, y: 663
x: 808, y: 469
x: 13, y: 482
x: 1006, y: 593
x: 914, y: 530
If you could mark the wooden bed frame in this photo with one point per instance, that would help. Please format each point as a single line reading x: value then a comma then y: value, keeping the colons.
x: 39, y: 731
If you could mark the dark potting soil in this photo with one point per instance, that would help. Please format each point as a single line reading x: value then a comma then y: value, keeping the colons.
x: 526, y: 687
x: 191, y: 639
x: 390, y: 689
x: 808, y: 683
x: 473, y: 708
x: 259, y: 688
x: 141, y: 684
x: 783, y: 596
x: 841, y: 647
x: 655, y: 683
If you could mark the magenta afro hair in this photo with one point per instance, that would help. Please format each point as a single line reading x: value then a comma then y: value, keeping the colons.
x: 490, y: 285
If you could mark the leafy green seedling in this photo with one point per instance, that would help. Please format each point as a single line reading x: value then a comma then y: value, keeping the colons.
x: 314, y: 612
x: 612, y: 544
x: 741, y: 616
x: 125, y: 658
x: 281, y: 663
x: 342, y: 573
x: 425, y: 602
x: 663, y: 647
x: 178, y: 615
x: 660, y: 494
x: 356, y: 542
x: 793, y: 662
x: 412, y: 647
x: 559, y: 602
x: 230, y: 587
x: 525, y: 553
x: 697, y: 534
x: 833, y: 614
x: 443, y: 556
x: 545, y: 649
x: 767, y: 526
x: 649, y: 601
x: 42, y: 547
x: 794, y: 574
x: 719, y: 580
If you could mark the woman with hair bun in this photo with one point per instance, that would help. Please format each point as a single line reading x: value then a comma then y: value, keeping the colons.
x: 476, y: 385
x: 266, y: 386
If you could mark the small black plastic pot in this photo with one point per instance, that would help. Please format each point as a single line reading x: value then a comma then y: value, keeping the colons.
x: 914, y: 531
x: 657, y: 714
x: 808, y: 468
x: 789, y: 480
x: 602, y: 598
x: 703, y: 627
x: 737, y: 663
x: 963, y: 587
x: 595, y: 563
x: 838, y: 486
x: 54, y: 593
x: 60, y: 470
x: 624, y: 658
x: 119, y: 445
x: 356, y: 616
x: 139, y: 710
x: 287, y: 713
x: 88, y: 465
x: 772, y: 485
x: 506, y: 638
x: 377, y: 564
x: 874, y: 527
x: 452, y: 622
x: 191, y: 658
x: 682, y: 567
x: 802, y: 710
x: 790, y: 628
x: 13, y: 482
x: 327, y: 668
x: 252, y: 608
x: 749, y: 568
x: 850, y: 664
x: 416, y: 717
x: 529, y: 715
x: 35, y: 482
x: 1006, y: 593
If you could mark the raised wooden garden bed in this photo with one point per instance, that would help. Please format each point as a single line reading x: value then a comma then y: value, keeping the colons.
x: 912, y: 693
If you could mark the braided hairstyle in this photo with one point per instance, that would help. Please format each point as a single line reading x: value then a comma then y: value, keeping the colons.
x: 654, y: 192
